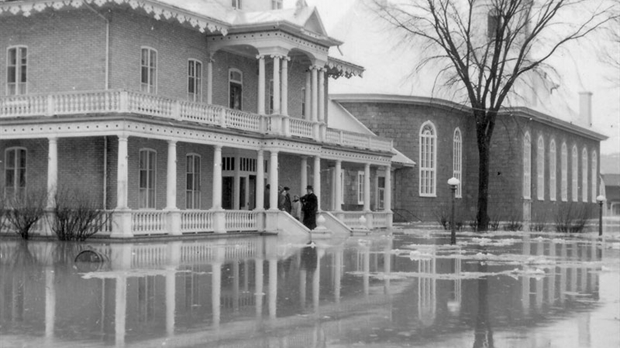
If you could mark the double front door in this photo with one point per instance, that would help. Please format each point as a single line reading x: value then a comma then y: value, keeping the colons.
x: 239, y: 195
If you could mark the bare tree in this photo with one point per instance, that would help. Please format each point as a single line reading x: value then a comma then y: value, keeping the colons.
x: 482, y: 48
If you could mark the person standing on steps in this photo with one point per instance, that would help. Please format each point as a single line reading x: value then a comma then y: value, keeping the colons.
x: 296, y: 208
x: 284, y: 202
x: 309, y: 207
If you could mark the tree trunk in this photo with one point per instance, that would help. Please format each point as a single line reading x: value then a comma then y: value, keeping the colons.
x: 483, y: 186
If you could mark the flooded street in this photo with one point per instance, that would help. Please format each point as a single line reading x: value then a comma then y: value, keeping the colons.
x: 409, y: 289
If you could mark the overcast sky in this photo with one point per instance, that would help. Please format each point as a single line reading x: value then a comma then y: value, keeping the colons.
x: 387, y: 69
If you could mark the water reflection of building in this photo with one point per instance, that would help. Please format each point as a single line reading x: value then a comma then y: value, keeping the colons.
x: 238, y: 291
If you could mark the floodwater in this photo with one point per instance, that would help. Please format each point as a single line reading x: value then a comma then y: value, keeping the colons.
x: 407, y: 289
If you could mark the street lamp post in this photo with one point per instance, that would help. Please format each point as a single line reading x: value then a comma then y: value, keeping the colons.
x: 600, y: 199
x: 453, y: 182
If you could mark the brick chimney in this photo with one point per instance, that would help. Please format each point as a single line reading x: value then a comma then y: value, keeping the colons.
x: 585, y: 108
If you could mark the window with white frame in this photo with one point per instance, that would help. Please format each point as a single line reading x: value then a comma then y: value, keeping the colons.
x: 564, y: 189
x: 540, y: 169
x: 575, y: 174
x: 235, y: 89
x: 457, y: 160
x: 148, y: 70
x: 236, y: 4
x: 360, y: 187
x: 15, y: 172
x: 276, y: 4
x: 17, y: 70
x: 594, y: 178
x: 194, y: 80
x: 380, y: 192
x: 552, y: 171
x: 584, y: 175
x: 527, y: 166
x: 303, y: 102
x: 148, y: 170
x: 192, y: 179
x: 428, y: 159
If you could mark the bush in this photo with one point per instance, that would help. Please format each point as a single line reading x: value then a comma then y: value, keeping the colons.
x: 22, y: 212
x: 514, y: 223
x: 572, y: 219
x: 494, y: 223
x: 76, y: 216
x: 442, y: 217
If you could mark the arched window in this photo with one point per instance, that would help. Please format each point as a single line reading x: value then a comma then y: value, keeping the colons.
x: 428, y: 159
x: 540, y: 169
x: 457, y: 160
x: 584, y: 175
x: 575, y: 174
x: 527, y: 166
x: 235, y: 88
x: 194, y: 80
x: 594, y: 178
x: 148, y: 70
x: 148, y: 170
x: 192, y: 182
x: 552, y: 171
x: 15, y: 172
x: 564, y: 173
x: 17, y: 70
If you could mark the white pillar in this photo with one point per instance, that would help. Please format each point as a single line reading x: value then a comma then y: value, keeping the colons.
x: 122, y: 173
x: 170, y: 301
x: 315, y: 92
x: 210, y: 79
x: 217, y: 178
x: 216, y: 293
x: 120, y: 310
x: 367, y: 187
x: 308, y: 97
x: 338, y: 186
x: 276, y: 85
x: 171, y: 176
x: 273, y: 181
x: 52, y: 172
x: 321, y: 101
x: 260, y: 180
x: 317, y: 181
x: 273, y: 287
x: 304, y: 174
x: 284, y: 76
x: 387, y: 204
x: 261, y: 84
x: 50, y: 302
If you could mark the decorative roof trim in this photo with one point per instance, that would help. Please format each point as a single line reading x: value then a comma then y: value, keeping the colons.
x: 338, y: 67
x: 153, y: 8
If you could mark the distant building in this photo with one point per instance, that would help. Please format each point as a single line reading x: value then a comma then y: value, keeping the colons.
x: 612, y: 193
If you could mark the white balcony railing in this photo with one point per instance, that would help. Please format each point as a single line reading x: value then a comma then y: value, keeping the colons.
x: 121, y: 101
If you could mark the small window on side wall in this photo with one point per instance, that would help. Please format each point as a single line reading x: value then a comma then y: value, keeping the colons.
x: 15, y: 173
x: 235, y: 88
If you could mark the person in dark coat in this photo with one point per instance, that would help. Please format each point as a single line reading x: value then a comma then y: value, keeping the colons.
x: 284, y: 202
x: 309, y: 207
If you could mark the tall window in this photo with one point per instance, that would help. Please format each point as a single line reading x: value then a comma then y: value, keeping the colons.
x: 148, y: 65
x: 457, y: 160
x: 303, y: 102
x: 552, y: 171
x: 564, y: 173
x: 148, y: 168
x: 584, y: 175
x: 360, y: 187
x: 380, y: 192
x: 428, y: 159
x: 540, y: 169
x: 594, y: 175
x: 194, y: 80
x: 15, y: 172
x: 575, y: 174
x: 270, y: 97
x: 16, y: 70
x: 192, y: 188
x: 276, y: 4
x: 527, y: 166
x: 235, y: 87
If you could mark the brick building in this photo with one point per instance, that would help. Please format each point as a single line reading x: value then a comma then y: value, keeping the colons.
x: 176, y: 117
x: 541, y: 167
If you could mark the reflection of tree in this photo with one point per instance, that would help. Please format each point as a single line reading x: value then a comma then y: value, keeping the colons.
x: 483, y: 334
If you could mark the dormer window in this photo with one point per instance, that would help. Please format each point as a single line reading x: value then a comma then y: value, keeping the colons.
x: 236, y: 4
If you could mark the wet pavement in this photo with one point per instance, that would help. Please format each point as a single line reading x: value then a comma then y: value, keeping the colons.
x: 407, y: 289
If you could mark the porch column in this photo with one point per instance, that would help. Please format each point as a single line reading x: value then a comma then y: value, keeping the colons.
x: 210, y: 79
x: 276, y: 85
x: 338, y: 186
x: 284, y: 107
x: 122, y: 173
x: 171, y: 176
x: 52, y: 172
x: 315, y: 92
x: 261, y: 84
x: 304, y: 174
x: 321, y: 101
x: 217, y: 178
x: 367, y: 187
x: 308, y: 97
x: 273, y: 181
x: 260, y: 180
x: 317, y: 181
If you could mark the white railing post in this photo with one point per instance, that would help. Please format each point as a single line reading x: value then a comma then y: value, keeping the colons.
x: 286, y: 125
x: 223, y: 117
x: 124, y: 101
x: 50, y: 106
x: 176, y: 110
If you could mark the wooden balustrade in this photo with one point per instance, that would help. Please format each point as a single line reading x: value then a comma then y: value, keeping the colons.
x: 148, y: 222
x: 240, y: 220
x: 196, y: 221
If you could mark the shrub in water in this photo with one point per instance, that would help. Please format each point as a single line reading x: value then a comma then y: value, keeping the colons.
x: 77, y: 216
x: 22, y: 211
